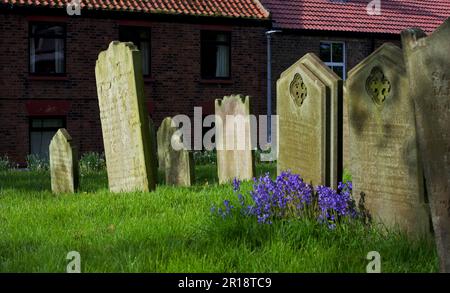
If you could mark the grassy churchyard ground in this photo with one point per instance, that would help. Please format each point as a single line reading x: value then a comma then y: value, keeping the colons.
x: 174, y: 230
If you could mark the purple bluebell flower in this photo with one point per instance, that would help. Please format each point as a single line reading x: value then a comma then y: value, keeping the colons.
x: 236, y: 184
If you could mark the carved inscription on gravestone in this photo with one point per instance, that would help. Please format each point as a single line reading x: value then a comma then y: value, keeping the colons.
x: 124, y: 119
x: 309, y: 105
x: 385, y: 161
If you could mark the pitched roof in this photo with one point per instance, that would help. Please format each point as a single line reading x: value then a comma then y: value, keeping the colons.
x: 352, y: 16
x: 230, y: 8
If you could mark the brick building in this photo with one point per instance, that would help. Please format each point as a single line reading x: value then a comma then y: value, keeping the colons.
x: 193, y: 52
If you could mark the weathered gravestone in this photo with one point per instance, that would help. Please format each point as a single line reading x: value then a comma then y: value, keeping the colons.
x: 124, y: 119
x: 165, y: 131
x: 178, y: 162
x: 428, y: 67
x: 153, y: 146
x: 234, y: 142
x: 63, y: 163
x: 385, y: 161
x: 309, y: 106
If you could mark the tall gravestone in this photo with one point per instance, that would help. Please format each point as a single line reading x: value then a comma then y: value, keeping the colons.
x: 234, y: 144
x: 428, y: 67
x: 177, y: 164
x: 64, y: 169
x: 309, y: 106
x: 124, y: 119
x: 385, y: 161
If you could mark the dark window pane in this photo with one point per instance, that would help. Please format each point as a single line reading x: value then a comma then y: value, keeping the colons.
x: 41, y: 133
x: 140, y: 37
x: 338, y: 52
x: 47, y: 49
x: 52, y: 123
x: 339, y: 70
x: 215, y: 48
x: 36, y: 123
x: 40, y: 142
x: 325, y: 52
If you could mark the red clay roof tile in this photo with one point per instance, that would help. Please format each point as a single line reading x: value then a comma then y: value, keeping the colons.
x: 236, y: 8
x: 352, y: 16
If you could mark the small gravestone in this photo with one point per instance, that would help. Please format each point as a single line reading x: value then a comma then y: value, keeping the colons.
x: 63, y: 163
x: 428, y: 67
x: 235, y: 156
x: 124, y: 119
x: 309, y: 106
x: 385, y: 161
x: 153, y: 145
x: 164, y: 133
x: 177, y: 164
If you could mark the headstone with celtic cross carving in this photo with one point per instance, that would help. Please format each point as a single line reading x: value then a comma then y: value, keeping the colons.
x: 124, y: 119
x: 384, y: 157
x: 309, y: 106
x: 428, y: 67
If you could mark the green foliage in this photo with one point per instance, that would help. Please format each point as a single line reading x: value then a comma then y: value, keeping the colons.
x: 91, y: 163
x: 346, y: 176
x: 210, y: 157
x: 5, y: 163
x: 37, y: 163
x: 205, y: 157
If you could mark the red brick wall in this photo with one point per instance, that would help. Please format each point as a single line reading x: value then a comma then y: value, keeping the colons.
x: 176, y: 85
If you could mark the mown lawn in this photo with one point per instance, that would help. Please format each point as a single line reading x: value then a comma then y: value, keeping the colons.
x: 172, y: 230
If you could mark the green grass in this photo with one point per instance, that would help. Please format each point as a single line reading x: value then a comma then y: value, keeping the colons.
x: 172, y: 230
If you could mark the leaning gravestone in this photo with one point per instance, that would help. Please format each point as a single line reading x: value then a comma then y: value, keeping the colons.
x: 63, y: 163
x: 177, y: 164
x: 428, y: 66
x: 385, y: 161
x: 309, y: 106
x: 124, y: 119
x: 234, y: 144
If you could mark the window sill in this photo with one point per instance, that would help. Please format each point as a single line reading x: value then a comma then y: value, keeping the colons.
x: 47, y: 77
x: 216, y: 81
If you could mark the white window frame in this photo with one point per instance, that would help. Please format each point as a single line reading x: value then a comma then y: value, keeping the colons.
x: 344, y: 52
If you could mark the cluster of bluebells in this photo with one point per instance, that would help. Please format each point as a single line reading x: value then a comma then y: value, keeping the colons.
x: 334, y: 205
x: 288, y: 196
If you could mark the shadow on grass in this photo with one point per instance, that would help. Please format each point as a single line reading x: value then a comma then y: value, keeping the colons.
x: 25, y: 181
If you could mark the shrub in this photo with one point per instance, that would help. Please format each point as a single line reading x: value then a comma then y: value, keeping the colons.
x: 289, y: 197
x: 37, y: 163
x: 205, y: 157
x: 92, y: 162
x: 5, y: 163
